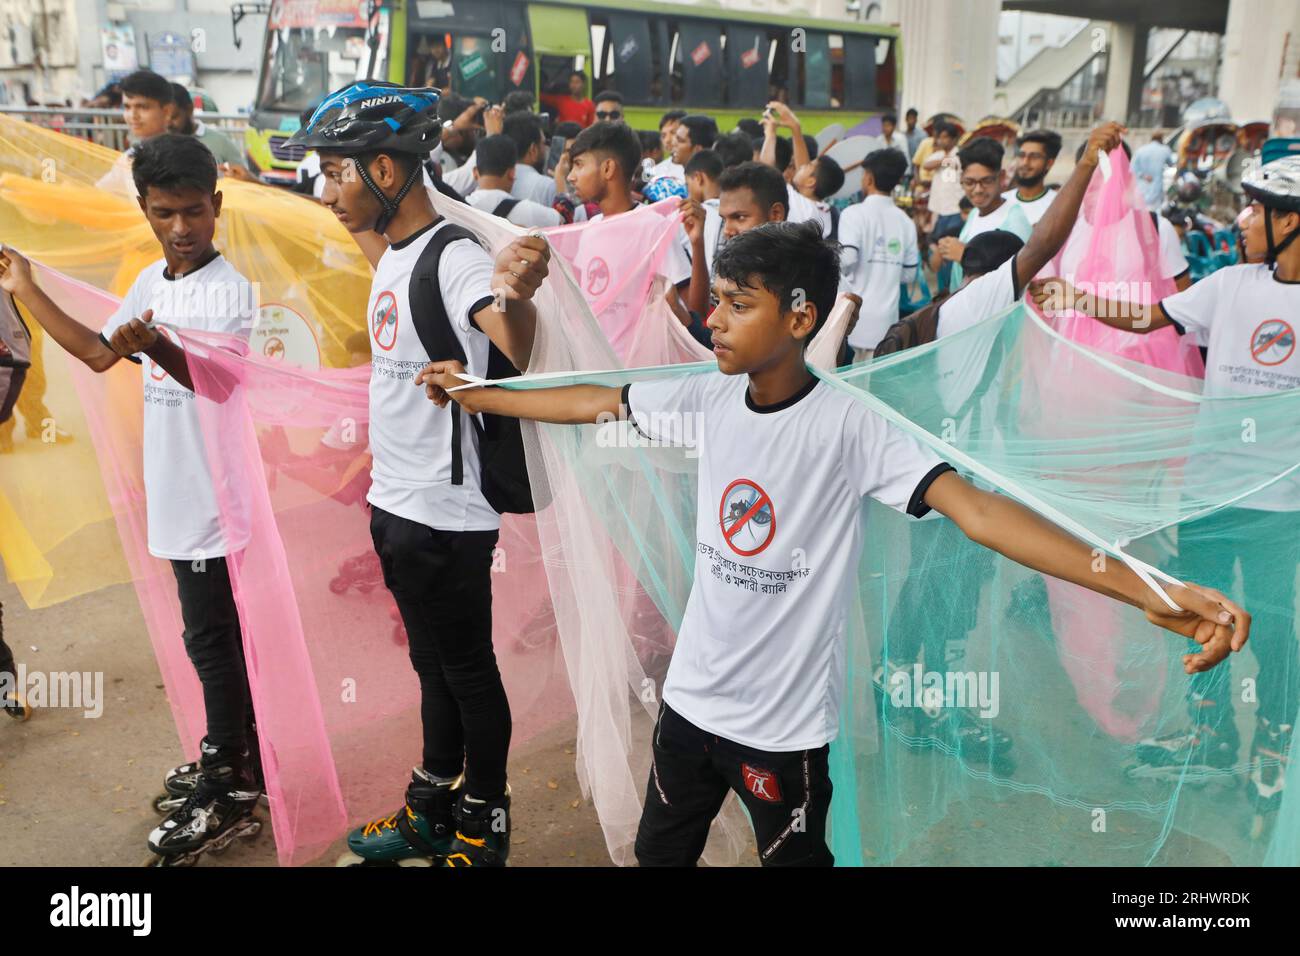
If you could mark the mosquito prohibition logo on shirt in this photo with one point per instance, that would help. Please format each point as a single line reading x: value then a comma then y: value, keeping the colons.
x: 1273, y: 342
x: 383, y: 321
x: 597, y: 276
x: 747, y: 517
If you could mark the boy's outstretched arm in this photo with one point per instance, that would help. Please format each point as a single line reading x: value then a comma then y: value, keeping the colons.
x: 563, y: 405
x: 1054, y: 228
x: 1056, y: 295
x: 1011, y: 529
x: 76, y: 339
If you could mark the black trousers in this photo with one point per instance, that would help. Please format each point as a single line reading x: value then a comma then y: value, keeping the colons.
x: 215, y: 647
x: 442, y: 582
x: 787, y: 794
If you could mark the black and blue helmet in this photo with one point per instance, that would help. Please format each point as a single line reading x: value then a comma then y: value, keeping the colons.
x: 371, y: 116
x: 376, y: 117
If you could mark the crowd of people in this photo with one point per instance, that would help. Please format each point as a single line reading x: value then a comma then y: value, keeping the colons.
x: 762, y: 254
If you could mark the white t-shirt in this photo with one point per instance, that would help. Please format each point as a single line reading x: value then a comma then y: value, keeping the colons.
x: 410, y: 437
x: 525, y: 213
x: 530, y: 184
x: 1246, y: 319
x: 180, y: 498
x: 803, y: 209
x: 667, y: 168
x: 1033, y: 210
x: 979, y: 299
x: 676, y: 265
x: 879, y: 254
x: 462, y: 178
x: 760, y: 653
x: 1172, y: 261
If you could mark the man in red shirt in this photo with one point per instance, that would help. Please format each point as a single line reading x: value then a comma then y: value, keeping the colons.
x: 572, y: 107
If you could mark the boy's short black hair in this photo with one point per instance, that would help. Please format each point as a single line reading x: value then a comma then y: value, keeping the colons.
x: 946, y: 127
x: 148, y: 84
x: 615, y: 140
x: 181, y: 97
x: 911, y: 111
x: 172, y: 161
x: 988, y: 250
x: 524, y: 128
x: 570, y: 129
x: 828, y: 177
x: 573, y: 73
x: 1050, y: 140
x: 783, y: 257
x: 650, y: 142
x: 672, y: 116
x: 495, y: 155
x: 703, y: 129
x: 765, y: 182
x: 611, y: 96
x: 965, y: 205
x: 890, y: 118
x: 810, y: 144
x: 706, y: 161
x: 451, y: 105
x: 517, y: 101
x: 750, y: 127
x: 981, y: 151
x: 784, y: 152
x: 887, y: 167
x: 734, y: 148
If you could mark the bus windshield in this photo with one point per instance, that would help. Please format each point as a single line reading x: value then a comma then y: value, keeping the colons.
x: 313, y: 47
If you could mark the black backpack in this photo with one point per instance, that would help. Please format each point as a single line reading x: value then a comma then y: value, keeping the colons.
x: 504, y: 471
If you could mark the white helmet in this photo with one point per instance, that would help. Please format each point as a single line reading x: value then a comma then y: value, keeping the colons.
x: 1275, y: 185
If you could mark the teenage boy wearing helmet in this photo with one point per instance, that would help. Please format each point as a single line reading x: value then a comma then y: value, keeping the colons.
x: 431, y: 523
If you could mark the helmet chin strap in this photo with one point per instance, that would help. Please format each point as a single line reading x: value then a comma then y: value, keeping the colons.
x: 389, y: 205
x: 1274, y: 249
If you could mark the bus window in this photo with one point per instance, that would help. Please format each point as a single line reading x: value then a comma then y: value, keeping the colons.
x: 474, y: 67
x: 815, y: 67
x: 430, y: 62
x: 630, y: 57
x: 886, y: 74
x: 860, y: 73
x: 700, y: 53
x: 747, y: 56
x: 837, y: 69
x: 779, y: 77
x: 303, y: 63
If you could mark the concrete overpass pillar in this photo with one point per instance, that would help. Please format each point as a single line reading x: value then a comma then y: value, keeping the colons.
x: 1254, y: 47
x: 1125, y: 65
x: 949, y: 56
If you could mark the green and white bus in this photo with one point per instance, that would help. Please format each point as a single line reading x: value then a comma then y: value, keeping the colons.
x: 659, y: 56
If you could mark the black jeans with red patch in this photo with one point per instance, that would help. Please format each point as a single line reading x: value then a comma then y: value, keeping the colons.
x: 787, y: 794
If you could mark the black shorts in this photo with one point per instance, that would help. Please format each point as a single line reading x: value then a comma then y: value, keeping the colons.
x: 787, y: 794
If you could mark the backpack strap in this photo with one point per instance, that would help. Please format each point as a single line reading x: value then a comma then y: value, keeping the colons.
x: 505, y: 207
x: 433, y: 325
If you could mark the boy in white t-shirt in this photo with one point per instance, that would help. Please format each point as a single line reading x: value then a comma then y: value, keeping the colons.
x: 1244, y: 316
x: 751, y: 700
x: 879, y: 250
x: 433, y: 527
x: 604, y: 160
x: 494, y: 177
x: 191, y: 287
